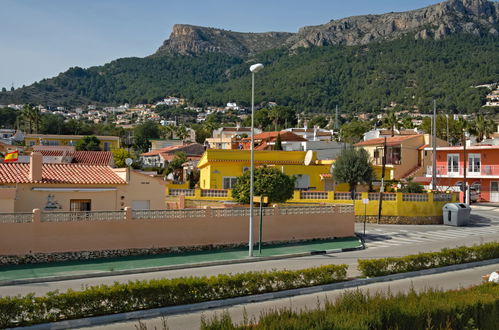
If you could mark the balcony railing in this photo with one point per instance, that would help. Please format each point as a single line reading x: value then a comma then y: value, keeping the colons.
x: 16, y: 217
x: 475, y: 171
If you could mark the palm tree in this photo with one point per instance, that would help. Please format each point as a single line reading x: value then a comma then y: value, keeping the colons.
x: 482, y: 128
x: 32, y: 118
x: 392, y: 122
x: 181, y: 132
x: 167, y: 131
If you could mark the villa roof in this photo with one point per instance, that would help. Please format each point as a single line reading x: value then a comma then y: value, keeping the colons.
x: 389, y: 140
x: 192, y: 149
x: 83, y: 157
x: 285, y: 136
x: 60, y: 174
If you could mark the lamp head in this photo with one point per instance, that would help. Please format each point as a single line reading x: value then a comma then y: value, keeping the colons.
x: 256, y: 67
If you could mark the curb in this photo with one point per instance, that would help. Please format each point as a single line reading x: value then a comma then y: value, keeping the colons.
x: 165, y: 311
x: 172, y: 267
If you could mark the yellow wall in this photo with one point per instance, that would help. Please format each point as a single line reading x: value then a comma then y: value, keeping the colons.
x: 66, y: 140
x: 217, y: 164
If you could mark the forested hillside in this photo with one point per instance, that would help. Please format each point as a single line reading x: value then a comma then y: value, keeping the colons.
x: 358, y: 78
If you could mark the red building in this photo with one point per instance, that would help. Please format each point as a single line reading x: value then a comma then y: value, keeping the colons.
x: 482, y: 169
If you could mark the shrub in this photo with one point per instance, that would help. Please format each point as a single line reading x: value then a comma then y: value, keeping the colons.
x: 126, y: 297
x: 446, y: 257
x: 471, y: 308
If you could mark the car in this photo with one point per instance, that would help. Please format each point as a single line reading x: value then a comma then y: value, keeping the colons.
x: 474, y: 190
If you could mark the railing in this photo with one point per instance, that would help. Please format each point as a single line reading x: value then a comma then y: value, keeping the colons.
x: 16, y: 217
x: 292, y: 210
x: 241, y: 212
x: 442, y: 197
x: 470, y: 171
x: 415, y: 197
x: 168, y: 214
x: 214, y: 193
x: 346, y: 195
x: 386, y: 196
x: 82, y: 216
x: 179, y: 192
x: 313, y: 195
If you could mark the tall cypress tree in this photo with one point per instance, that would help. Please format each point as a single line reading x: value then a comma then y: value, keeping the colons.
x: 278, y: 142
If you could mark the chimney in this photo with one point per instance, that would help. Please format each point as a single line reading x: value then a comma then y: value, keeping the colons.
x: 35, y: 167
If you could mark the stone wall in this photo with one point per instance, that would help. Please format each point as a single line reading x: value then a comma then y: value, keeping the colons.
x: 400, y: 220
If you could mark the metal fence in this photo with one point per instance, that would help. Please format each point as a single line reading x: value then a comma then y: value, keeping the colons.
x: 16, y: 217
x: 82, y: 216
x: 442, y: 197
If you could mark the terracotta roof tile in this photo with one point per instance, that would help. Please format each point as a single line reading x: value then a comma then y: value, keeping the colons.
x: 389, y: 140
x: 61, y: 174
x: 190, y: 149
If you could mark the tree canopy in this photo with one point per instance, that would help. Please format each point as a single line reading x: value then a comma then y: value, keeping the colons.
x: 268, y: 181
x: 89, y: 143
x: 353, y: 166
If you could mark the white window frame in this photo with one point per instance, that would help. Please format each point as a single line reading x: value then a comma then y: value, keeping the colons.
x: 451, y: 169
x: 472, y: 168
x: 232, y: 182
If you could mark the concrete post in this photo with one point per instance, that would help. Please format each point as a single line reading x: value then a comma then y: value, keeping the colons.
x: 37, y: 216
x: 128, y: 213
x: 277, y: 210
x: 207, y: 212
x: 181, y: 202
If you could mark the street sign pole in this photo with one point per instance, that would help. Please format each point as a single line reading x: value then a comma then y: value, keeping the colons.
x: 365, y: 201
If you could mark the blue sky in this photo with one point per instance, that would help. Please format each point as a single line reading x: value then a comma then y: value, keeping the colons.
x: 41, y: 38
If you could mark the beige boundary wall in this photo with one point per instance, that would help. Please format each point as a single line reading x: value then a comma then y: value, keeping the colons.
x: 55, y: 232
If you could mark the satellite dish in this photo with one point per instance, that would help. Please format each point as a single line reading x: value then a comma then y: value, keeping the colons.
x: 331, y: 169
x: 128, y: 161
x: 308, y: 157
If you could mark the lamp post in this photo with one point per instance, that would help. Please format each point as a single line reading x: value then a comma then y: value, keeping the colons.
x: 254, y: 68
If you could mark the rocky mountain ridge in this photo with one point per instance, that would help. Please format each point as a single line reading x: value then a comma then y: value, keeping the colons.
x: 477, y: 17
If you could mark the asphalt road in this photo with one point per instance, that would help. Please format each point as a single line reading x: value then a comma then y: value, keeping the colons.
x: 443, y: 281
x: 388, y: 240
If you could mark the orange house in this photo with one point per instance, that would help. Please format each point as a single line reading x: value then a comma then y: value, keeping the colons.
x: 481, y: 163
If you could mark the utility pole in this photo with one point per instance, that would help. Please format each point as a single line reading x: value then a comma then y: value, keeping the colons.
x: 434, y: 145
x: 336, y: 119
x: 464, y: 187
x: 382, y: 187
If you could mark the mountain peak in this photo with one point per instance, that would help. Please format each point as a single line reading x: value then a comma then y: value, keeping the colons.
x: 190, y: 39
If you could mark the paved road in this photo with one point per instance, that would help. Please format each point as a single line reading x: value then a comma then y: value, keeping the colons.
x: 408, y: 239
x: 444, y: 281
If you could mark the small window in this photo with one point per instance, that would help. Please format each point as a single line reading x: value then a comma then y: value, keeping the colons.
x: 80, y: 205
x: 229, y: 182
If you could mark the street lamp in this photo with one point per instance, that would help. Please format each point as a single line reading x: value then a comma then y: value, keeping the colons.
x: 254, y: 68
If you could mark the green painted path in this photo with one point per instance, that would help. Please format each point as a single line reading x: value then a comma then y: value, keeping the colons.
x: 18, y: 272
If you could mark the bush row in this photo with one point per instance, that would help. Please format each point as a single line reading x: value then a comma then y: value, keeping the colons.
x: 139, y: 295
x: 472, y: 308
x: 446, y: 257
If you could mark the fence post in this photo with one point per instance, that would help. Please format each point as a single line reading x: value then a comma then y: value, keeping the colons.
x: 197, y: 193
x: 181, y: 202
x: 296, y: 195
x: 330, y: 196
x: 128, y: 213
x: 431, y: 197
x: 207, y: 211
x: 37, y: 216
x: 167, y: 191
x: 277, y: 210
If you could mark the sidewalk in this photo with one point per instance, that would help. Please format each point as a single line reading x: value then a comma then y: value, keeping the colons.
x: 136, y: 264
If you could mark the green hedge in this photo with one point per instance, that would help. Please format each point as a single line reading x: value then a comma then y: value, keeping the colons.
x: 446, y: 257
x: 472, y: 308
x: 119, y: 298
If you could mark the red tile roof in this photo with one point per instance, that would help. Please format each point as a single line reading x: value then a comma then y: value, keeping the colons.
x: 189, y: 149
x: 285, y: 136
x: 61, y: 174
x: 104, y: 158
x: 389, y: 140
x: 93, y: 157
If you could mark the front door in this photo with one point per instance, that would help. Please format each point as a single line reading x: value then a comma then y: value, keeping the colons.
x: 494, y: 191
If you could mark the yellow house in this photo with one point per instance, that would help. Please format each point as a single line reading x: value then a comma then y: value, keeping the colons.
x: 220, y: 168
x: 107, y: 143
x: 76, y: 187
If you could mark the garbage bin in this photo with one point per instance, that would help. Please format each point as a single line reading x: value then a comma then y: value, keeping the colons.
x: 456, y: 214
